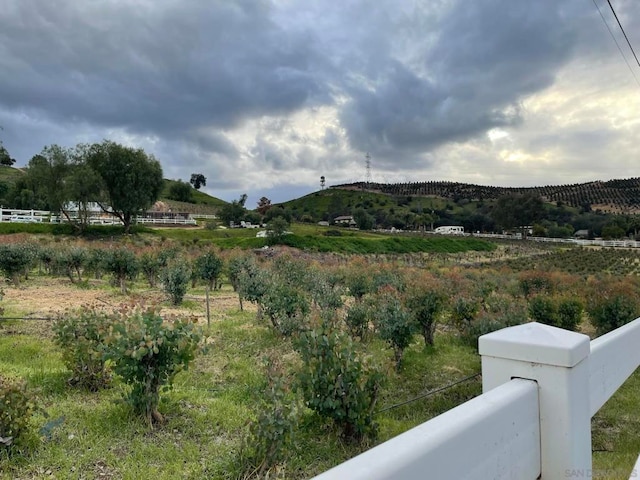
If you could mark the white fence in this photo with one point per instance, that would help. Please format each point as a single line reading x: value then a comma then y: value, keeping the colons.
x: 541, y: 387
x: 570, y: 241
x: 37, y: 216
x: 23, y: 216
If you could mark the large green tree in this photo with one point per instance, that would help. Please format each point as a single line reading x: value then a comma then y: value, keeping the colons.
x: 47, y: 175
x: 5, y: 158
x: 131, y: 179
x: 181, y: 192
x: 518, y: 211
x: 234, y: 211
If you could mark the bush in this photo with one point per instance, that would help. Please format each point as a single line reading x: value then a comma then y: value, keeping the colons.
x: 18, y: 407
x: 148, y: 352
x: 536, y: 282
x: 150, y: 265
x: 14, y: 260
x: 81, y: 336
x: 542, y: 309
x: 71, y: 263
x: 336, y: 384
x: 607, y: 314
x: 393, y: 322
x: 559, y: 312
x: 425, y: 305
x: 123, y: 265
x: 270, y: 435
x: 569, y: 313
x: 464, y: 312
x: 286, y: 307
x: 357, y: 320
x: 175, y: 281
x: 208, y: 267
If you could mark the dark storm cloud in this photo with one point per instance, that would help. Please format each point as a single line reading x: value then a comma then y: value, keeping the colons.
x: 295, y: 89
x: 487, y: 56
x: 152, y: 66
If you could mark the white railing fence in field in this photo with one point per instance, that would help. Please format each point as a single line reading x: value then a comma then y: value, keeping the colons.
x: 541, y: 387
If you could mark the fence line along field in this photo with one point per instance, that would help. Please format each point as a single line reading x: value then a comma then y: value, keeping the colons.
x: 111, y: 367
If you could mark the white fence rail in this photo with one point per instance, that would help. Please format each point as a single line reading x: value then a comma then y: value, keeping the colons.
x: 570, y: 241
x: 495, y: 432
x: 541, y: 387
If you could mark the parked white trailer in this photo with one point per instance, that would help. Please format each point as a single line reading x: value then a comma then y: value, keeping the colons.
x: 450, y: 230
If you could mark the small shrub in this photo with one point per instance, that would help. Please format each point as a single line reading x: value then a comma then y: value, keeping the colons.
x: 17, y: 408
x: 208, y: 267
x: 150, y: 265
x: 71, y: 263
x: 82, y: 336
x: 271, y: 434
x: 607, y: 314
x: 14, y: 260
x: 569, y: 313
x: 336, y: 383
x: 359, y: 284
x: 175, y: 281
x: 148, y: 352
x: 123, y: 265
x: 536, y: 282
x: 543, y: 309
x: 393, y: 322
x: 463, y: 312
x: 95, y: 262
x: 357, y: 320
x: 425, y: 305
x: 286, y: 307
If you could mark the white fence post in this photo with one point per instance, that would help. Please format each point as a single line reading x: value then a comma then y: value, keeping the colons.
x: 557, y: 360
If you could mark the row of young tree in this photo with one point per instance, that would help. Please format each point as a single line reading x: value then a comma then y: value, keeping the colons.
x: 121, y: 180
x: 329, y: 311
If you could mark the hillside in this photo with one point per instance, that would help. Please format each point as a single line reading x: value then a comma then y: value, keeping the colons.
x: 201, y: 202
x: 613, y: 196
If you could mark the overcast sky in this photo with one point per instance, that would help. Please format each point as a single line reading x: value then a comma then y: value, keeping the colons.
x: 265, y: 96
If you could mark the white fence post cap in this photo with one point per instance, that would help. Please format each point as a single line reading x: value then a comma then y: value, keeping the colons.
x: 537, y: 343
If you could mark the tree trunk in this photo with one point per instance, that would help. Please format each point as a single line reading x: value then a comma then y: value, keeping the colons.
x: 427, y: 333
x: 398, y: 355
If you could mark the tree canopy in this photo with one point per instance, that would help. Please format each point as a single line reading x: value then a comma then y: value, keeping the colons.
x: 5, y: 158
x: 131, y: 179
x: 181, y: 192
x: 198, y: 180
x: 518, y: 211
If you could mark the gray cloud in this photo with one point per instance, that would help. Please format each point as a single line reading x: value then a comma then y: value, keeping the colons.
x: 258, y: 93
x: 161, y: 66
x: 488, y: 55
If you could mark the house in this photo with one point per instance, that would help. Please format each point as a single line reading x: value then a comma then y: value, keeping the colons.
x: 345, y: 220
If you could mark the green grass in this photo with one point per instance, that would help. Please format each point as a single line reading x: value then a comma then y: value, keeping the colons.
x: 615, y: 439
x: 313, y: 238
x: 208, y: 410
x: 9, y: 175
x: 93, y: 435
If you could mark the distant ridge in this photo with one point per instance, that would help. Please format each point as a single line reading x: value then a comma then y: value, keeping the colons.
x: 613, y: 196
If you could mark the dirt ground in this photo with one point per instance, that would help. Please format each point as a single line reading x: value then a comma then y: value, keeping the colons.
x: 47, y: 297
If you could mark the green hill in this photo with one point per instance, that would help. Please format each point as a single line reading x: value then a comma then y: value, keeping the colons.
x: 200, y: 203
x: 9, y: 175
x: 609, y: 209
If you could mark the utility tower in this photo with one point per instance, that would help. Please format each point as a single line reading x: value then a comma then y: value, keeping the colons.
x: 322, y: 182
x: 367, y: 175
